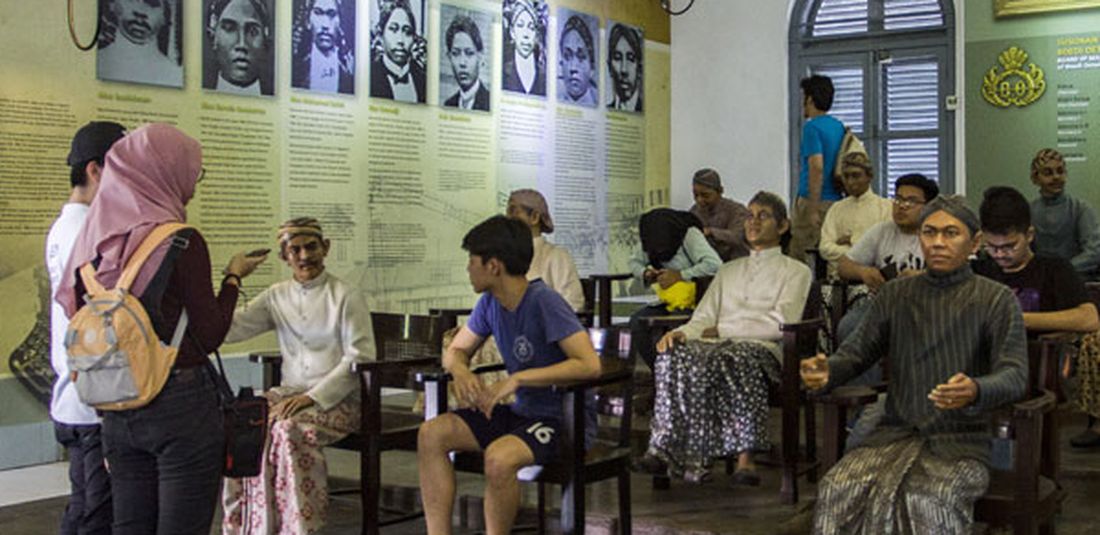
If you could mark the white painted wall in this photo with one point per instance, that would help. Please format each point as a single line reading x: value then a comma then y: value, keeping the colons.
x: 730, y: 97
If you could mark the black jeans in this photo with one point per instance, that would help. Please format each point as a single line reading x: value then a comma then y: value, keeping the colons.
x: 89, y: 509
x: 166, y: 458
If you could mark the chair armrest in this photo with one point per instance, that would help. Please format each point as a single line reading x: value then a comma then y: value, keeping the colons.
x: 392, y: 364
x: 848, y: 396
x: 432, y: 376
x: 1033, y: 407
x: 1060, y: 337
x: 612, y: 276
x: 804, y: 325
x: 266, y: 357
x: 606, y: 378
x: 667, y: 322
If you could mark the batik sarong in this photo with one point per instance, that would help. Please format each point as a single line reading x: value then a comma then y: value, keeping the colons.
x: 898, y: 488
x: 290, y: 496
x: 712, y: 401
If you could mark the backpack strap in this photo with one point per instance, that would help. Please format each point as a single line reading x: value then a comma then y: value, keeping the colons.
x: 150, y: 244
x: 91, y: 285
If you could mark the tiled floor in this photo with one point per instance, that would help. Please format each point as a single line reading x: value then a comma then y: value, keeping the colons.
x: 712, y: 508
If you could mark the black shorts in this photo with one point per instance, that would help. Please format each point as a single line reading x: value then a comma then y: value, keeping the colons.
x: 540, y: 434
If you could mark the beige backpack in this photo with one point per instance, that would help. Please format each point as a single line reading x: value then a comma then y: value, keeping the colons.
x: 116, y: 358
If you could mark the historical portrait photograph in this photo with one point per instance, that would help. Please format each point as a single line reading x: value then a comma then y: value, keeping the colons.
x: 238, y: 52
x: 524, y: 50
x: 464, y: 71
x: 140, y: 41
x: 577, y: 55
x: 399, y: 50
x: 322, y: 46
x: 624, y: 67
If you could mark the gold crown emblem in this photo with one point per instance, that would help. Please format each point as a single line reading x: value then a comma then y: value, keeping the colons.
x: 1011, y: 85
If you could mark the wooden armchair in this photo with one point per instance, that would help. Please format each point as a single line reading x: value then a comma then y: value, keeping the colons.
x: 796, y: 458
x: 604, y: 460
x: 603, y: 295
x: 1024, y: 497
x: 402, y: 343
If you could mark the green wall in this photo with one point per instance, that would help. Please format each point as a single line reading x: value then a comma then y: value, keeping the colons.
x: 1000, y: 142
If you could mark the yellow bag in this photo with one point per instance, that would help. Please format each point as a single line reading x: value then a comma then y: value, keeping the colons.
x: 679, y: 296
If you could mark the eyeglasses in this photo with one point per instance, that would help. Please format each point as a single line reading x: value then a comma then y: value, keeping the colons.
x: 1005, y: 248
x: 907, y: 202
x: 761, y: 216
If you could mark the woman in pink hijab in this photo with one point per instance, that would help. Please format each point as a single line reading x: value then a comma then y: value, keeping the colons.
x: 165, y: 458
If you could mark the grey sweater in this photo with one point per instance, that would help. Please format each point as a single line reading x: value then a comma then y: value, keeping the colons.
x: 1066, y: 227
x: 932, y: 327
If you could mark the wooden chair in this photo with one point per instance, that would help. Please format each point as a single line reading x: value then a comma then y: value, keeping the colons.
x: 402, y: 343
x: 602, y: 297
x: 800, y: 340
x: 1025, y: 497
x: 577, y: 467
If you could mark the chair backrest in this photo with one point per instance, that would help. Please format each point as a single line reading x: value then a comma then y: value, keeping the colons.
x: 588, y: 288
x: 1093, y: 291
x: 399, y: 336
x: 701, y: 285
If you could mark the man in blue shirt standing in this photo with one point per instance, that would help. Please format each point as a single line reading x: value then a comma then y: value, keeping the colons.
x: 542, y: 343
x: 821, y: 137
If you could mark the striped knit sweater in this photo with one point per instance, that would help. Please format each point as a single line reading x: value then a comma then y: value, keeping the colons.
x: 933, y: 326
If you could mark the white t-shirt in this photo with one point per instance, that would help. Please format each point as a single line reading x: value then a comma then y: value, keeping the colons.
x: 884, y: 245
x: 66, y: 406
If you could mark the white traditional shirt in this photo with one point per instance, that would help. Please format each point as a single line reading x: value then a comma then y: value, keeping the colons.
x: 751, y: 297
x: 323, y: 327
x: 525, y: 68
x: 226, y: 86
x: 125, y: 61
x: 324, y: 71
x: 555, y: 266
x: 851, y: 216
x: 65, y: 407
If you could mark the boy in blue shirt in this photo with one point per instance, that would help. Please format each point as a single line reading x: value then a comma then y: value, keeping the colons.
x: 820, y: 143
x: 542, y: 343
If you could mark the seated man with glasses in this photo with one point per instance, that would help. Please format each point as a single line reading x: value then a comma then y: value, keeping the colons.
x: 713, y: 374
x: 888, y: 250
x: 1049, y: 290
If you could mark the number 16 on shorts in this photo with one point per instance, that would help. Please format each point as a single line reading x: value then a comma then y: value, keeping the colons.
x: 542, y: 432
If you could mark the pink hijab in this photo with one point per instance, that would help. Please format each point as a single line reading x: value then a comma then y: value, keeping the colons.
x: 148, y: 177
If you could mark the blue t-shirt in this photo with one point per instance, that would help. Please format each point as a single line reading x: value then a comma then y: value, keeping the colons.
x: 528, y: 338
x: 820, y: 135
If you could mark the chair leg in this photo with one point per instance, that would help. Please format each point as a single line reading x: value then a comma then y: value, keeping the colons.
x: 624, y: 501
x: 810, y: 424
x: 371, y: 480
x: 572, y: 507
x: 542, y: 508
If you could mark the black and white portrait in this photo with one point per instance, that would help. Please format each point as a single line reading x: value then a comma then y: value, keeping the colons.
x: 524, y: 51
x: 464, y: 75
x: 140, y: 42
x: 624, y: 67
x: 322, y: 46
x: 399, y: 50
x: 238, y: 53
x: 577, y: 54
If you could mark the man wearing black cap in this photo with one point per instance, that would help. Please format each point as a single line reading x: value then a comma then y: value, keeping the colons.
x: 76, y: 425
